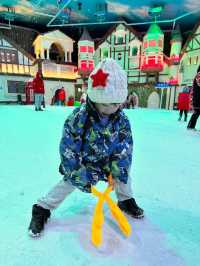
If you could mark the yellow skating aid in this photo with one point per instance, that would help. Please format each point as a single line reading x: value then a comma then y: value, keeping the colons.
x: 98, y: 218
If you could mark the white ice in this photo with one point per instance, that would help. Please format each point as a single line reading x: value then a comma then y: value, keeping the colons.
x: 166, y: 183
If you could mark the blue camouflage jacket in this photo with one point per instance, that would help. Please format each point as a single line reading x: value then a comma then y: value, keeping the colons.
x: 90, y: 150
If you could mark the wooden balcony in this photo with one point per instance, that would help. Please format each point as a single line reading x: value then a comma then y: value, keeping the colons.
x: 49, y: 70
x: 60, y: 71
x: 15, y: 69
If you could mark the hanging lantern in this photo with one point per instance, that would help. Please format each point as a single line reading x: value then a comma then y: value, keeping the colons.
x: 152, y: 50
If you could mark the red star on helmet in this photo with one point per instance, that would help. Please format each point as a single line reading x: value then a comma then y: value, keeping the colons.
x: 99, y: 78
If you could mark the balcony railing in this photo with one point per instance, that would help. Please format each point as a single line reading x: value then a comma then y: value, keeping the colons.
x: 49, y: 70
x: 8, y: 68
x: 53, y: 70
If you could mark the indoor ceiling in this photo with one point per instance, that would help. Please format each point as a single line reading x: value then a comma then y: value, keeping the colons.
x: 98, y: 14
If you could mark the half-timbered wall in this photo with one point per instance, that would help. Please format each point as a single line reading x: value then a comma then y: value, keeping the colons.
x: 13, y: 60
x: 190, y: 59
x: 125, y: 47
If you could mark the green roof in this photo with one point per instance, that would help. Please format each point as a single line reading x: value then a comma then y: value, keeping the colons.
x: 154, y: 29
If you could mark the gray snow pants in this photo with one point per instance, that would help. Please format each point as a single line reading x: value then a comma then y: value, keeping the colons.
x: 63, y: 188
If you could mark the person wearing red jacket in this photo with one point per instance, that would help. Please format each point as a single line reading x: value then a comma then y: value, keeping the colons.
x: 38, y: 87
x: 184, y: 103
x: 61, y: 96
x: 70, y: 101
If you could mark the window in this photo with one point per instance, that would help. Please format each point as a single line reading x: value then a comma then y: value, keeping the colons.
x: 83, y: 65
x: 195, y: 60
x: 90, y: 49
x: 105, y: 52
x: 91, y: 65
x: 134, y: 51
x: 120, y: 40
x: 152, y: 43
x: 189, y: 61
x: 2, y: 57
x: 13, y: 58
x: 16, y: 86
x: 8, y: 57
x: 83, y: 49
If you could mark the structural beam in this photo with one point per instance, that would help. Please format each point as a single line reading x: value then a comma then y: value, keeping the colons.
x: 58, y: 13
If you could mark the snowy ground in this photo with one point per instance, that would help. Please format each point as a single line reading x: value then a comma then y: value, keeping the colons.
x: 166, y: 184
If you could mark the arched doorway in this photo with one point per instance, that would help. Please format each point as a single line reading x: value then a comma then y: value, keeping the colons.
x: 56, y: 53
x: 153, y: 100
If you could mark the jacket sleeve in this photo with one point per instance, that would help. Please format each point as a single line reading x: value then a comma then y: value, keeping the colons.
x: 121, y: 158
x: 70, y: 152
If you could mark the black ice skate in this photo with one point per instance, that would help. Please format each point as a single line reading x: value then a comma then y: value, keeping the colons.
x: 130, y: 207
x: 39, y: 218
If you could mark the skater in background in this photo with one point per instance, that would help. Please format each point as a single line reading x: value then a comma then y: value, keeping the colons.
x: 61, y: 96
x: 71, y: 101
x: 184, y: 103
x: 38, y: 87
x: 96, y: 141
x: 195, y: 101
x: 83, y: 98
x: 126, y: 104
x: 132, y: 100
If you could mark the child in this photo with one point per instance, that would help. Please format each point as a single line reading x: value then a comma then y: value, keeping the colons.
x: 184, y: 103
x: 96, y: 141
x: 83, y: 98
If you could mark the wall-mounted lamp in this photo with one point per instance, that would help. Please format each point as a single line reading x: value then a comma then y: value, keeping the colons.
x: 79, y: 6
x: 119, y: 56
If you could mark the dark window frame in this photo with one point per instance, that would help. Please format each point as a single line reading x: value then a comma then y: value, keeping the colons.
x: 16, y: 86
x: 8, y: 53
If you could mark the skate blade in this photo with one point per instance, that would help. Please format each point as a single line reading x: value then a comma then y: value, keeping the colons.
x: 138, y: 217
x: 135, y: 217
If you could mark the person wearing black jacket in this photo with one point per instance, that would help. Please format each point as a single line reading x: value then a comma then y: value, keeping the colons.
x: 195, y: 101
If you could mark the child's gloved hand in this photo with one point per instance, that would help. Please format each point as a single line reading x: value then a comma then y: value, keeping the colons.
x: 87, y: 188
x: 83, y: 179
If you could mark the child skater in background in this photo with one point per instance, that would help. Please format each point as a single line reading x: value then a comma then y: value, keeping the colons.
x: 184, y: 103
x: 96, y: 141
